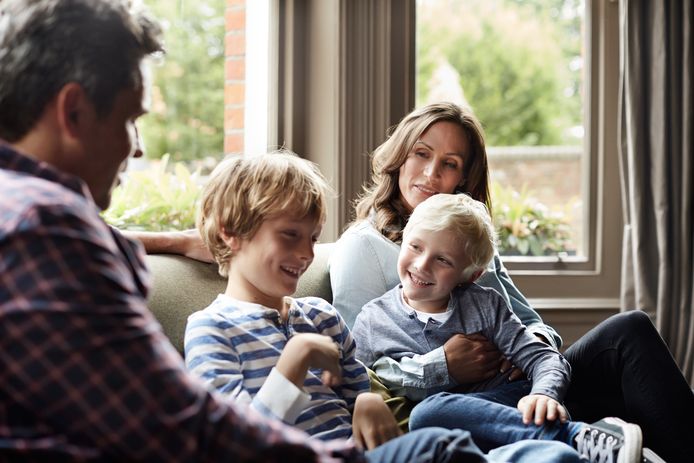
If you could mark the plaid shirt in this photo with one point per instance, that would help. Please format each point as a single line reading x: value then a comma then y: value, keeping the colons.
x: 86, y: 373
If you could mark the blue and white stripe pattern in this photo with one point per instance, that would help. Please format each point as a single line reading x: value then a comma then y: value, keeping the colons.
x: 234, y: 345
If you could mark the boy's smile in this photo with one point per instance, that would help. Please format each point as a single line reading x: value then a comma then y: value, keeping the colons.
x: 430, y: 266
x: 266, y: 267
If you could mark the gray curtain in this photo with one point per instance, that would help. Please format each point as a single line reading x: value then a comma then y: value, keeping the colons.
x: 656, y: 160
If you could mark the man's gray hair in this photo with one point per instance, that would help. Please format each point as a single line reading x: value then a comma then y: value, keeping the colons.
x: 45, y: 44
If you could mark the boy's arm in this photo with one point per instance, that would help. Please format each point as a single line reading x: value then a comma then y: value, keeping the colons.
x: 329, y: 322
x: 549, y: 371
x: 415, y: 377
x: 210, y: 355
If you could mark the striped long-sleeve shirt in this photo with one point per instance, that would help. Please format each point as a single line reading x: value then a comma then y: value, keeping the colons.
x: 234, y: 346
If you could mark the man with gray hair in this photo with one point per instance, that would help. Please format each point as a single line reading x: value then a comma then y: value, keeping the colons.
x: 86, y: 373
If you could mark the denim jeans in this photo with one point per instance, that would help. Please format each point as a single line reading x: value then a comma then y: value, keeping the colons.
x: 491, y: 424
x: 438, y: 445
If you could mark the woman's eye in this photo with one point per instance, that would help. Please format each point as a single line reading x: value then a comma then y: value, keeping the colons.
x: 421, y: 154
x: 451, y: 165
x: 289, y: 233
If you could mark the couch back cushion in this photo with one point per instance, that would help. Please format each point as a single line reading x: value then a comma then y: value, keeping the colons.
x: 181, y: 286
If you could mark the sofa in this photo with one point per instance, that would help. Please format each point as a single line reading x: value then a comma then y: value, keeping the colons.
x: 181, y: 286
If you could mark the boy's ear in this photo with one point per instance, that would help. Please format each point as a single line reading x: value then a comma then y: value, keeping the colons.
x: 474, y: 276
x: 233, y: 242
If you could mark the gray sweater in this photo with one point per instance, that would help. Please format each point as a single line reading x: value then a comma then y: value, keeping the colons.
x: 408, y: 354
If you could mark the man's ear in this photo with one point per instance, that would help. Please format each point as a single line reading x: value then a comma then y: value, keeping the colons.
x: 73, y: 109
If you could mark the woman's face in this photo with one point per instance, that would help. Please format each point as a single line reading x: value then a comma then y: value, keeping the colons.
x: 434, y: 165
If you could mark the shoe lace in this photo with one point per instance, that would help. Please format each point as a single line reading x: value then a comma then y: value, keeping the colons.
x: 598, y: 447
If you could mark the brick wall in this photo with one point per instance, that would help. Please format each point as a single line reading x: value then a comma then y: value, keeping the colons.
x: 234, y: 75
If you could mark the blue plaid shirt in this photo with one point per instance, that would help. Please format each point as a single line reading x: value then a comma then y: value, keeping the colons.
x: 86, y: 373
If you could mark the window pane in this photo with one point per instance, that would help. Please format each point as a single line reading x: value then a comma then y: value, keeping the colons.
x: 519, y: 65
x: 186, y: 116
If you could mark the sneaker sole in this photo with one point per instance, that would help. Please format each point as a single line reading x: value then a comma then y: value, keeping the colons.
x: 651, y: 457
x: 631, y: 450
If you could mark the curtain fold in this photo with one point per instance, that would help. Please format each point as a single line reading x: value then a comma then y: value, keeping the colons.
x: 656, y: 111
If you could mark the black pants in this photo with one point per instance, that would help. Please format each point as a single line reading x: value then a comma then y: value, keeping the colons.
x: 623, y: 368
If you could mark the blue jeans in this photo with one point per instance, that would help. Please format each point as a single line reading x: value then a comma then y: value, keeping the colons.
x: 491, y: 424
x: 440, y: 445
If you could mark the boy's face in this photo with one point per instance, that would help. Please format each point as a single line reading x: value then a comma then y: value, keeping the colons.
x: 266, y: 267
x: 430, y: 266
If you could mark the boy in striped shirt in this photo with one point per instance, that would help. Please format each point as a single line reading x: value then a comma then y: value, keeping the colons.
x: 290, y: 359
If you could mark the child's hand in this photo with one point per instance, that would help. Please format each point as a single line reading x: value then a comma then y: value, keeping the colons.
x: 540, y: 407
x: 471, y: 358
x: 307, y: 350
x: 372, y: 422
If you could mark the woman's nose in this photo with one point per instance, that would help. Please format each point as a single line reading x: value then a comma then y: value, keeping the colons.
x: 430, y: 170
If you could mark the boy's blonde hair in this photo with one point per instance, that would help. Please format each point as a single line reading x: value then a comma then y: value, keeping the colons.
x: 467, y: 218
x: 243, y: 192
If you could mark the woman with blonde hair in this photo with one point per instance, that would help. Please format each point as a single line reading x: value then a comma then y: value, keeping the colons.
x: 620, y: 368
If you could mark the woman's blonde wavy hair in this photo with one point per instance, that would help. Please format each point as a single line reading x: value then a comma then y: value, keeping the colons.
x: 245, y: 191
x: 382, y: 196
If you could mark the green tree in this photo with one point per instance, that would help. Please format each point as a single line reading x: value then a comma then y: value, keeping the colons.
x: 186, y: 116
x: 516, y: 61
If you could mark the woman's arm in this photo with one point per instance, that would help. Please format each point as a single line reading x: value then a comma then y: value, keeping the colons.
x: 362, y: 268
x: 186, y: 243
x: 497, y: 277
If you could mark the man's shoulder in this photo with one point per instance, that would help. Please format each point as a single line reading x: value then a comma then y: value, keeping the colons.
x: 30, y: 200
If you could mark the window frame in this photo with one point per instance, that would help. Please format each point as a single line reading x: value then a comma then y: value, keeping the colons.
x: 346, y: 73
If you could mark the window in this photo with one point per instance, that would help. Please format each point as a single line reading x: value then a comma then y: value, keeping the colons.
x: 354, y: 75
x: 184, y: 133
x: 519, y: 65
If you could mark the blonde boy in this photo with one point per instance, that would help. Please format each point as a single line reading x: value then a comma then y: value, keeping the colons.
x: 291, y: 359
x: 447, y: 243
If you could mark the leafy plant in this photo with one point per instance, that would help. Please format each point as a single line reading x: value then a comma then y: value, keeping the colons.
x: 156, y: 199
x: 525, y: 226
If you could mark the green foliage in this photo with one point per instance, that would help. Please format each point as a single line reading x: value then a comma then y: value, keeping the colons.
x: 156, y: 199
x: 187, y: 100
x: 524, y: 225
x: 517, y: 65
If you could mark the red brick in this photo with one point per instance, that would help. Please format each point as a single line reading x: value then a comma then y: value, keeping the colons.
x: 233, y: 143
x: 234, y: 94
x: 233, y: 118
x: 235, y: 44
x: 235, y: 69
x: 235, y: 19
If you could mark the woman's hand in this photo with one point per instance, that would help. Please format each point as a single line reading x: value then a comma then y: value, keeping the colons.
x: 372, y: 421
x: 537, y: 407
x: 191, y: 245
x: 471, y: 358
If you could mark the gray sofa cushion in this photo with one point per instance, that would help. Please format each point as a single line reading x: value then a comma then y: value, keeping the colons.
x: 182, y: 286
